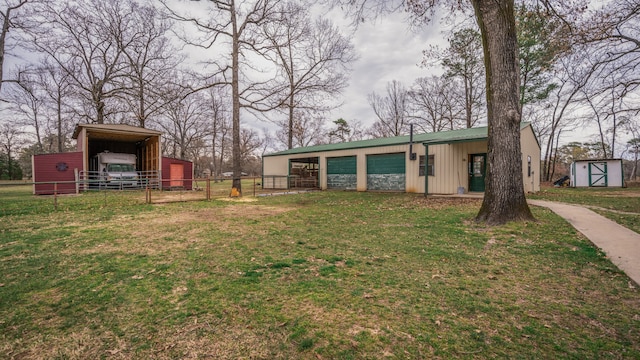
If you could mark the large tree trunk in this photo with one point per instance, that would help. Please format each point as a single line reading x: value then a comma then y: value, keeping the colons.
x: 236, y: 187
x: 504, y: 198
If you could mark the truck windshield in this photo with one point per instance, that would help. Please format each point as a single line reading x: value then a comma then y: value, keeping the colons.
x: 120, y: 168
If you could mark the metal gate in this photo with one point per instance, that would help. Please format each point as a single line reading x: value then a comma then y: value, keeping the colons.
x: 598, y: 174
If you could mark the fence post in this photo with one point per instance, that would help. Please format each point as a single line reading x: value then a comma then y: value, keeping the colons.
x: 208, y: 188
x: 76, y: 174
x: 55, y: 195
x: 254, y: 186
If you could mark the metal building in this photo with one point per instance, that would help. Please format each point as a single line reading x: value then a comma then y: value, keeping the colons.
x: 445, y: 162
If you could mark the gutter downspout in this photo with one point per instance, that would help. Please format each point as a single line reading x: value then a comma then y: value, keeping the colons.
x: 412, y: 155
x: 426, y: 174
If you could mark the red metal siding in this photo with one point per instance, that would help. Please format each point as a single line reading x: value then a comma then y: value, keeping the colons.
x: 49, y: 169
x: 167, y: 176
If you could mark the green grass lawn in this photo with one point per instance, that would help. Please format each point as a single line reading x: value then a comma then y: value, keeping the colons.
x: 324, y: 275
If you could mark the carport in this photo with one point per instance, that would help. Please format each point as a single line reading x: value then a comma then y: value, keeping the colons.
x: 303, y: 172
x: 119, y: 138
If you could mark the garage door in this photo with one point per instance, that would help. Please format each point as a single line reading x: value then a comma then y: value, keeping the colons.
x: 342, y: 173
x: 386, y: 172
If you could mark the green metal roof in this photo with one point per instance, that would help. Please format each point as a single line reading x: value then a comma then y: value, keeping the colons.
x: 442, y: 137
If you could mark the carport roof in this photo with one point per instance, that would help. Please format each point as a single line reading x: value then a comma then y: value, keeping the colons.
x: 442, y: 137
x: 115, y: 132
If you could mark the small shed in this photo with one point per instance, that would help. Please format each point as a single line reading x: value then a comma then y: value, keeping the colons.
x: 177, y: 174
x: 597, y: 173
x: 120, y: 138
x: 56, y: 173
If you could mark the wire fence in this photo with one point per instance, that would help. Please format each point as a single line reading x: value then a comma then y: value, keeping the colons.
x: 24, y: 197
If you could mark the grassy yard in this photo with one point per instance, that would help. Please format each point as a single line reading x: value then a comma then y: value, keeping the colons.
x: 621, y: 205
x: 325, y: 275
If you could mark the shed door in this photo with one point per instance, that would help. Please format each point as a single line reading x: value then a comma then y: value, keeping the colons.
x: 386, y: 172
x: 176, y: 175
x: 598, y: 174
x: 342, y: 173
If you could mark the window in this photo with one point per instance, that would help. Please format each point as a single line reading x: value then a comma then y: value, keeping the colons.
x: 429, y: 165
x: 529, y: 166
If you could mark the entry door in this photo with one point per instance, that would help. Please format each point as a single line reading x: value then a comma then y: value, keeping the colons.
x: 176, y: 175
x: 598, y: 174
x: 477, y: 171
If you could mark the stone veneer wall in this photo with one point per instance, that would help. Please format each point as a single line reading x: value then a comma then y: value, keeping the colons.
x: 395, y: 182
x: 342, y: 181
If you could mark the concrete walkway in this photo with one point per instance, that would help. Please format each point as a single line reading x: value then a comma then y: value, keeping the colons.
x: 621, y: 245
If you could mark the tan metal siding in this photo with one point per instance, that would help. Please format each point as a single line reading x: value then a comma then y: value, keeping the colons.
x: 451, y: 166
x: 529, y: 146
x: 275, y: 165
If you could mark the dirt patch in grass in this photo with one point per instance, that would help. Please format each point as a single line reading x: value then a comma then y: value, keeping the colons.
x: 81, y: 344
x: 177, y: 230
x: 438, y: 203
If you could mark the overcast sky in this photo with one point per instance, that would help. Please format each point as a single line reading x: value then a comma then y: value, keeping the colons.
x: 389, y: 50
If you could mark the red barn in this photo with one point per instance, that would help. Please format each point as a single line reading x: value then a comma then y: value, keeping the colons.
x: 177, y: 174
x: 61, y: 170
x: 65, y: 169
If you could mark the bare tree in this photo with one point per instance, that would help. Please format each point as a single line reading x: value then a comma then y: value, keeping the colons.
x: 434, y: 105
x: 612, y: 36
x: 220, y: 116
x: 87, y: 40
x: 241, y: 25
x: 10, y: 140
x: 306, y: 129
x: 185, y: 124
x: 312, y: 58
x: 572, y: 75
x: 391, y: 110
x: 151, y: 60
x: 613, y: 31
x: 250, y: 144
x: 27, y: 104
x: 8, y: 11
x: 56, y: 86
x: 462, y: 60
